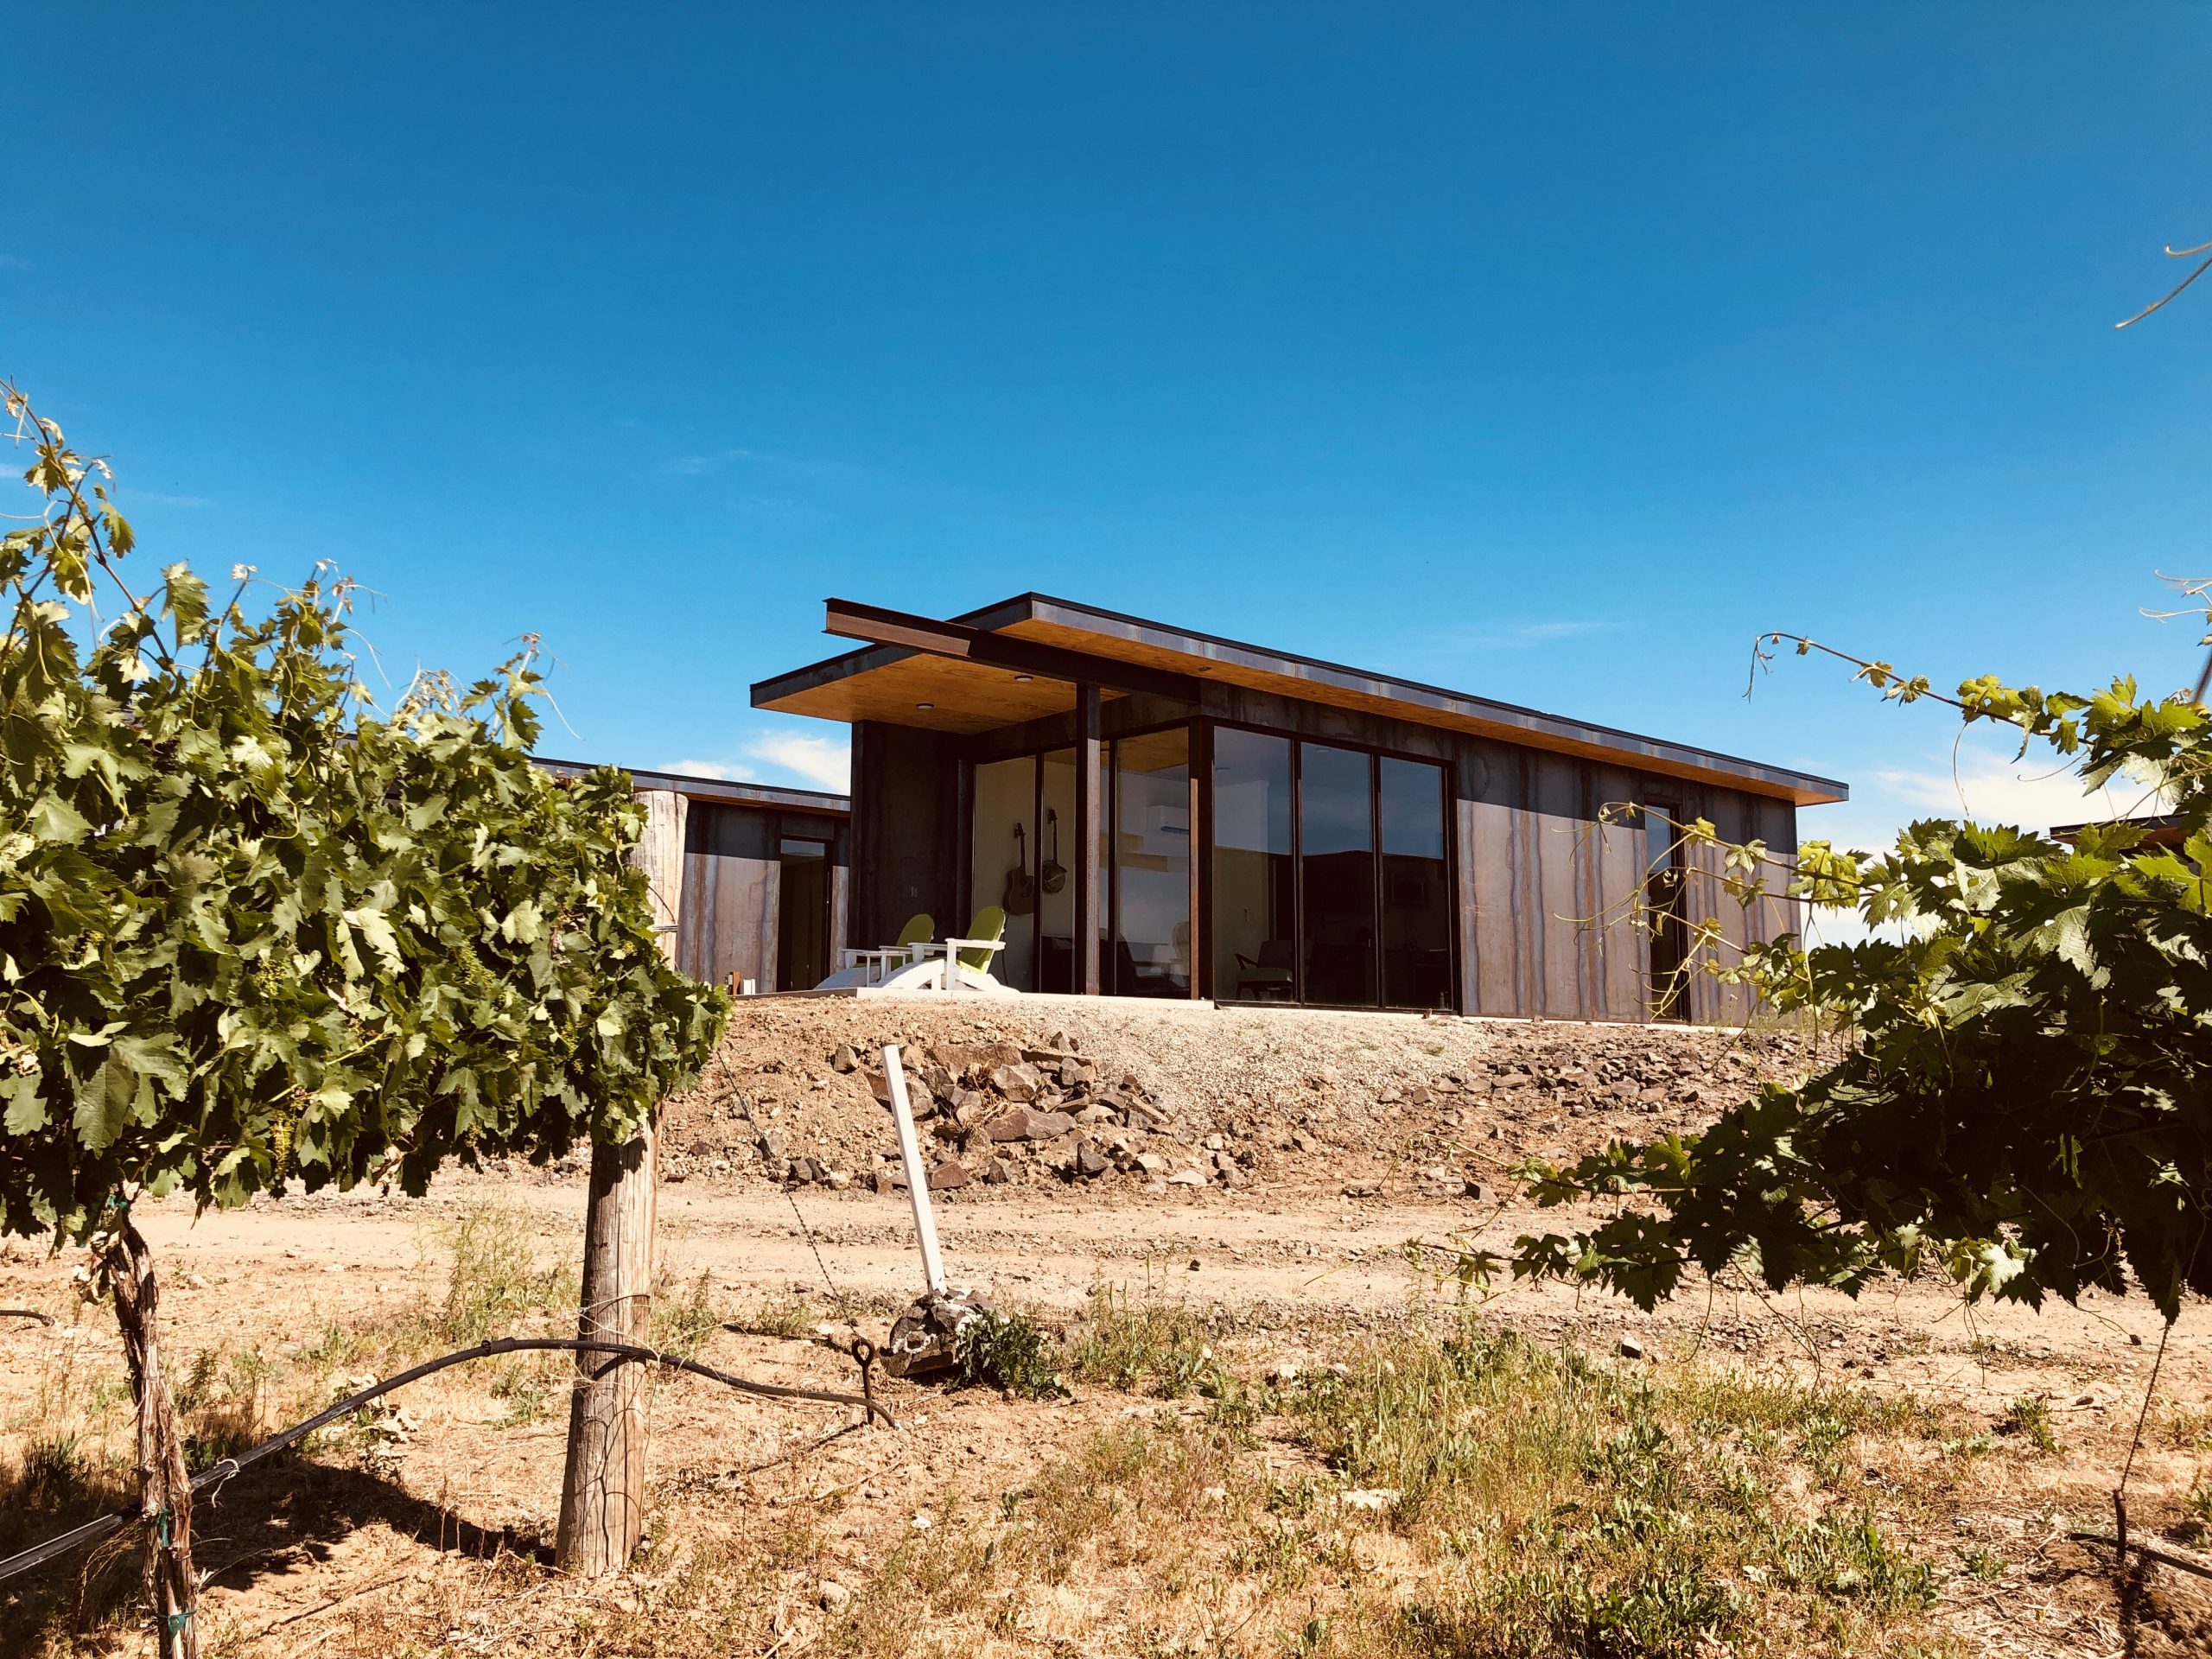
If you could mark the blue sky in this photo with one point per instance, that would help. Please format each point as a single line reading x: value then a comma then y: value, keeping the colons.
x: 1546, y: 354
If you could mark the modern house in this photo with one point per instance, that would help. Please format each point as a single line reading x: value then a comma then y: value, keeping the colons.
x: 761, y: 887
x: 1165, y: 813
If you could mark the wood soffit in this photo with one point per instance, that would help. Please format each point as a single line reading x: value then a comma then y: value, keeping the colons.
x: 885, y: 683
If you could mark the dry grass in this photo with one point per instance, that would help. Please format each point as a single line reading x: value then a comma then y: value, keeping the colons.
x: 1444, y: 1492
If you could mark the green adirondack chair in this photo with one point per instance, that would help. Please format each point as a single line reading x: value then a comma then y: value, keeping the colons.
x: 986, y: 930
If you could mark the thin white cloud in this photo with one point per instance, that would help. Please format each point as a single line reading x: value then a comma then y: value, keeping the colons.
x: 815, y: 762
x: 1525, y: 636
x: 716, y: 461
x: 694, y: 466
x: 1990, y: 789
x: 778, y: 510
x: 161, y: 500
x: 13, y: 261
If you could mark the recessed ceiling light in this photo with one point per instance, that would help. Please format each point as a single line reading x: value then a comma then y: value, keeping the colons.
x: 1023, y: 679
x: 926, y: 705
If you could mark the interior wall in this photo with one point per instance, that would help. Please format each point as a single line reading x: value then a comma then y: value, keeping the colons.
x: 1003, y: 860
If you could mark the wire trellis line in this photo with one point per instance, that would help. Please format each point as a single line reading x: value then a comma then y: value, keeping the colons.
x: 96, y: 1530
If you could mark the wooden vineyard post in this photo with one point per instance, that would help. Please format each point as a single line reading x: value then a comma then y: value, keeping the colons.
x: 603, y: 1495
x: 603, y: 1489
x: 164, y: 1487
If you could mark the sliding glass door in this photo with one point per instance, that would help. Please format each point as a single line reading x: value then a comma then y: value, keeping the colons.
x: 1026, y: 856
x: 1330, y: 883
x: 1254, y: 878
x: 1416, y: 886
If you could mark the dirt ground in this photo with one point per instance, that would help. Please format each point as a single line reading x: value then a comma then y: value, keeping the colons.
x: 424, y: 1536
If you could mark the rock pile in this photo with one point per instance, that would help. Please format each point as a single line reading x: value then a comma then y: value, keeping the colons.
x: 1131, y: 1101
x: 1001, y: 1112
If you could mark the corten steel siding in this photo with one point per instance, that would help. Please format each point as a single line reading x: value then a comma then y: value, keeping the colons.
x: 907, y: 854
x: 1738, y: 818
x: 1545, y: 889
x: 732, y: 884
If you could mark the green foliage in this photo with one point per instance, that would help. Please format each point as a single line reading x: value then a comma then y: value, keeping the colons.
x: 1128, y: 1342
x: 1014, y: 1352
x: 2026, y: 1101
x: 252, y: 929
x: 2029, y: 1416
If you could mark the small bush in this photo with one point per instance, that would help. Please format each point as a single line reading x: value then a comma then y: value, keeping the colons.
x: 529, y: 1384
x: 788, y: 1318
x: 681, y: 1326
x: 1014, y: 1352
x: 55, y: 1475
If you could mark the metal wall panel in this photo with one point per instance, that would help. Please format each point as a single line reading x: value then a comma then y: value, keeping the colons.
x: 1548, y: 894
x: 1621, y: 971
x: 729, y: 918
x: 841, y: 894
x: 733, y: 881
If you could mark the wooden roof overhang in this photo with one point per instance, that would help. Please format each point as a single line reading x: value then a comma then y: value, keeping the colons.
x: 1020, y: 660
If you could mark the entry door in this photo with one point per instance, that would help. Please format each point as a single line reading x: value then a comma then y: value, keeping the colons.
x: 803, y: 913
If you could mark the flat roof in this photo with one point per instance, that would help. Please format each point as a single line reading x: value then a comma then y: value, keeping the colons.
x: 724, y: 791
x: 904, y: 686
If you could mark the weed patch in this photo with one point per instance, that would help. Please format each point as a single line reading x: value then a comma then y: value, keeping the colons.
x: 1576, y: 1507
x: 495, y: 1282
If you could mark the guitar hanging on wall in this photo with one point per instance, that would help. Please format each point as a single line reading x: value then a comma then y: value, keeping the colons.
x: 1056, y: 874
x: 1021, y: 896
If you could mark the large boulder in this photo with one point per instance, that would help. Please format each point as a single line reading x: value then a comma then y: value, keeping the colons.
x: 1019, y: 1082
x: 1024, y: 1123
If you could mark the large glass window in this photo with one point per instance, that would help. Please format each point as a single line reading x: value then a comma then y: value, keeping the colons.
x: 1416, y: 886
x: 1255, y: 897
x: 1002, y: 870
x: 1149, y: 850
x: 1336, y: 836
x: 1345, y: 899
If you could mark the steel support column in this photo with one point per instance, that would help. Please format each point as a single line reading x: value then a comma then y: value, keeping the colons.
x: 1090, y: 887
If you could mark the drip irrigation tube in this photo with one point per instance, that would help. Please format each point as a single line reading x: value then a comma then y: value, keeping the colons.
x: 92, y: 1531
x: 2146, y: 1551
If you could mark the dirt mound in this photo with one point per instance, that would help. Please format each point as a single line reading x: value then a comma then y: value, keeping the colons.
x: 1171, y: 1096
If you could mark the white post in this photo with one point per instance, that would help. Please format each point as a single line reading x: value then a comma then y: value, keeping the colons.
x: 918, y: 1179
